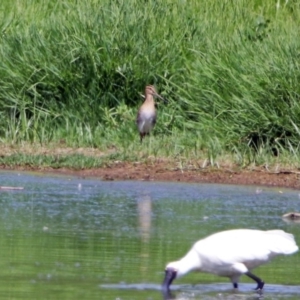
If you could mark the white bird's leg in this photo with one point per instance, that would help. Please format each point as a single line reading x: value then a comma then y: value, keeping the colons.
x: 235, y: 281
x: 260, y: 283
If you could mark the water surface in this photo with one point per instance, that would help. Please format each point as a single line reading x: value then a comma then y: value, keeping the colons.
x: 73, y: 238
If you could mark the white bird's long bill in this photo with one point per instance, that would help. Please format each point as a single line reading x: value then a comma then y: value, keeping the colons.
x: 232, y: 253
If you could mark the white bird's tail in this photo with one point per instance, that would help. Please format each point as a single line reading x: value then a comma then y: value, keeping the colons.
x: 282, y: 242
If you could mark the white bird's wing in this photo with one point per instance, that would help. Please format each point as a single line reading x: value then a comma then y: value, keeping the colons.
x: 250, y: 247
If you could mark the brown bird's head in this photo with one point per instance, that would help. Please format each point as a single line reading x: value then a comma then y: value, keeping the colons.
x: 151, y: 91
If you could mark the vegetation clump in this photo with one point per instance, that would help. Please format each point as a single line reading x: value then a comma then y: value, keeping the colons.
x: 71, y: 73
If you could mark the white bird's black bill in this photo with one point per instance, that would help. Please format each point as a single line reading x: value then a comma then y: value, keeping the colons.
x: 170, y: 275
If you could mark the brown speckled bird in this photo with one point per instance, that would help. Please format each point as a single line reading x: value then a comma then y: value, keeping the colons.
x: 146, y: 117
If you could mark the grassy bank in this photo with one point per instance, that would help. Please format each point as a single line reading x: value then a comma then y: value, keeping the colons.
x: 71, y: 74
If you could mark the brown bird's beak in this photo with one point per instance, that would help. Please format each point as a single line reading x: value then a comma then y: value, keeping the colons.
x: 170, y: 275
x: 160, y: 97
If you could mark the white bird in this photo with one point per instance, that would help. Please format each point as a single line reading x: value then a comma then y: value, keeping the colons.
x: 232, y: 253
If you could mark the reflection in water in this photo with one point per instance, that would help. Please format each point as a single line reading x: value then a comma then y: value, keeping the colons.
x: 217, y: 291
x: 144, y: 207
x: 167, y: 295
x: 291, y: 217
x: 220, y: 296
x: 220, y: 291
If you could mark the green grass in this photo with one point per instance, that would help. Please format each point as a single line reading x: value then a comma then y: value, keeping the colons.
x: 230, y: 70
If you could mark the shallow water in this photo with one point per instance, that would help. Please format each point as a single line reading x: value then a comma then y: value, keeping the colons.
x: 70, y: 238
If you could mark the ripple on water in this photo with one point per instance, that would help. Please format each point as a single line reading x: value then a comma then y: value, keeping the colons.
x: 215, y: 291
x: 69, y: 235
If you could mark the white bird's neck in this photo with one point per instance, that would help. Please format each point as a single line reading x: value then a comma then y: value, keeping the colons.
x: 190, y: 262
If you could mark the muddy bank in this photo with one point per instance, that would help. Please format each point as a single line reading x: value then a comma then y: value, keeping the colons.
x: 160, y: 171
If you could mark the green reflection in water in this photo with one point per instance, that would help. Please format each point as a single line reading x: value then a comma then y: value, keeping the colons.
x: 61, y: 242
